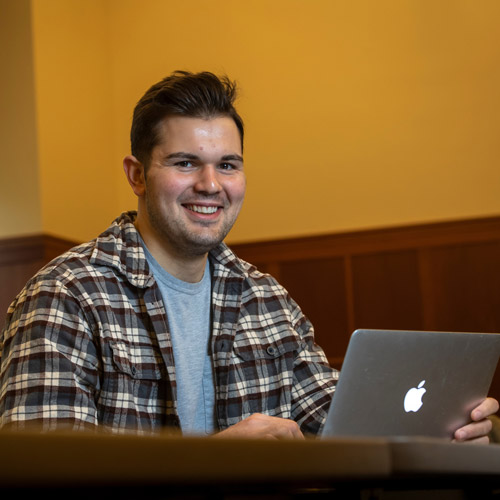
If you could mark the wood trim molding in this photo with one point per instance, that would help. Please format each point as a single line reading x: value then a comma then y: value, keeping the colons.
x: 370, y: 240
x: 21, y: 249
x: 43, y: 246
x: 31, y: 248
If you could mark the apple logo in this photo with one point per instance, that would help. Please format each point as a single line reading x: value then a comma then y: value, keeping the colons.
x: 413, y: 398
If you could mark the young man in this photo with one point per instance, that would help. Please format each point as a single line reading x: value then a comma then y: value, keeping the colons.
x: 157, y: 323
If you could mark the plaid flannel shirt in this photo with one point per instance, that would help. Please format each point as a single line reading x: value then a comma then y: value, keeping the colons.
x: 86, y: 345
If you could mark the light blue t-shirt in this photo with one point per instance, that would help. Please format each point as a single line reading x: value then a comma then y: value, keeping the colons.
x: 188, y: 307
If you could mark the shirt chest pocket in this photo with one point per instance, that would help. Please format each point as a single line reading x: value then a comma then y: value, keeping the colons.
x: 134, y: 387
x: 270, y: 351
x: 138, y: 363
x: 266, y: 360
x: 261, y: 378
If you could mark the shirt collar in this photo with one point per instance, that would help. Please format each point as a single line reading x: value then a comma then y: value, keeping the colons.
x: 120, y: 247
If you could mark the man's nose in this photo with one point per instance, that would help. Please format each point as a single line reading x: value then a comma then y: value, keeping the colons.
x: 207, y: 180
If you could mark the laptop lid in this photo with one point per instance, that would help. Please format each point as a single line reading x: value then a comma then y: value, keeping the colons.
x: 409, y: 383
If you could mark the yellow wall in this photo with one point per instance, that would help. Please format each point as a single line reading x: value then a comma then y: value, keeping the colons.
x: 19, y: 182
x: 359, y: 113
x: 73, y: 67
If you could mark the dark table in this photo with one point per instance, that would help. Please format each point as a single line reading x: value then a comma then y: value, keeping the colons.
x: 93, y: 465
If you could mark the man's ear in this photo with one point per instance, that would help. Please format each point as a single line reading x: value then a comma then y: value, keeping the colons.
x: 134, y: 170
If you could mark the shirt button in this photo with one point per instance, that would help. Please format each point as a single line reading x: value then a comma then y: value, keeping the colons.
x: 271, y: 350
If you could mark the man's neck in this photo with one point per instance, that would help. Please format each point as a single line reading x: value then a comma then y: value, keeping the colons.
x: 186, y: 268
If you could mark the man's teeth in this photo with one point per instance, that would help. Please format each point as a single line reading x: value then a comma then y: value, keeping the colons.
x: 202, y: 210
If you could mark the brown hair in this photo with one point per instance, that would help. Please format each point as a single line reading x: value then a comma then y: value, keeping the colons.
x: 196, y: 95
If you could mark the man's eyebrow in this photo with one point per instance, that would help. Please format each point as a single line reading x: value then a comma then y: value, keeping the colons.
x: 191, y: 156
x: 233, y: 157
x: 181, y: 154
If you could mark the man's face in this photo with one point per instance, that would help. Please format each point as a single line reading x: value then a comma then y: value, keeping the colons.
x: 195, y: 183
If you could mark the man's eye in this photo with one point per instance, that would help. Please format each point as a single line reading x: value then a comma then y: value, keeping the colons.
x: 184, y: 164
x: 226, y: 166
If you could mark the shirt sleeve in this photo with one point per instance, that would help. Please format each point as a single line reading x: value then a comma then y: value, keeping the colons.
x: 48, y: 365
x: 314, y: 380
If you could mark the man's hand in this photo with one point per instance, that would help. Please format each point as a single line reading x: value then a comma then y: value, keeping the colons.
x: 263, y: 427
x: 477, y: 431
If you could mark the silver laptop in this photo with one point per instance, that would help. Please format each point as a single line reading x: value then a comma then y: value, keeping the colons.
x: 408, y: 383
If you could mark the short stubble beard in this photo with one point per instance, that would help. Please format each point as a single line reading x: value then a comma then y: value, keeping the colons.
x: 177, y: 234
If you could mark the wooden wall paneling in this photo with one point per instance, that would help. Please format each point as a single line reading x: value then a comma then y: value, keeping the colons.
x: 16, y: 276
x: 426, y: 277
x: 464, y: 291
x: 386, y: 287
x: 465, y: 287
x: 440, y: 276
x: 349, y: 294
x: 53, y: 247
x: 20, y: 259
x: 318, y: 286
x: 272, y: 268
x: 22, y: 249
x: 371, y: 241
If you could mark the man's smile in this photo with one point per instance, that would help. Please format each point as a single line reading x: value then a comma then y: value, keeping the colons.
x: 203, y: 210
